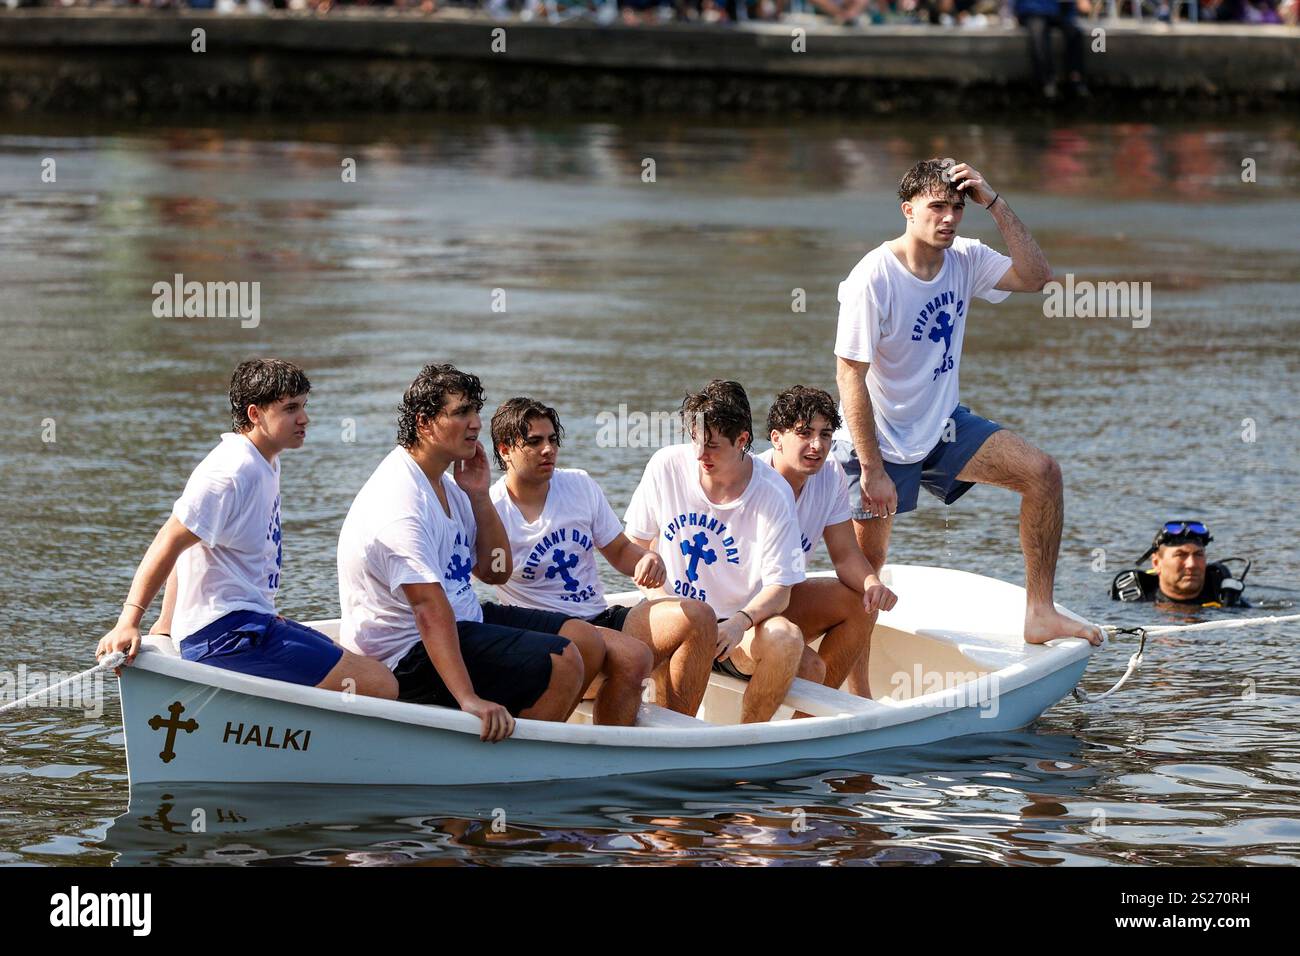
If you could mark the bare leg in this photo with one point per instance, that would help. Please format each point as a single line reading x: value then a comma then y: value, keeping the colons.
x: 827, y: 608
x: 590, y: 646
x: 683, y: 636
x: 659, y: 680
x: 627, y: 664
x: 1008, y: 461
x: 563, y: 691
x: 771, y: 653
x: 361, y: 675
x: 811, y: 667
x: 873, y: 539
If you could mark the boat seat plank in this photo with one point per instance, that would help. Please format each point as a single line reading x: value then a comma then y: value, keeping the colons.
x: 652, y: 715
x: 822, y: 701
x: 648, y: 715
x: 815, y: 699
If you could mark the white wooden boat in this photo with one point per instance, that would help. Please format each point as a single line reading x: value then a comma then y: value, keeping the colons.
x: 948, y: 661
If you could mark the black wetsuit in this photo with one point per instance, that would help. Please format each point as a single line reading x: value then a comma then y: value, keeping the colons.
x: 1143, y: 584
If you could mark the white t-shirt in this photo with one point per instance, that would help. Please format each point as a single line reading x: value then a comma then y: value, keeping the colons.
x: 823, y: 500
x: 911, y: 332
x: 555, y: 556
x: 720, y: 554
x: 397, y: 533
x: 232, y: 502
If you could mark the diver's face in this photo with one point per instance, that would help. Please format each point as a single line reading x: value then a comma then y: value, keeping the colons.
x: 1181, y: 569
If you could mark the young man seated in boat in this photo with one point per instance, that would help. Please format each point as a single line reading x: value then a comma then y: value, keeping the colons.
x: 421, y: 525
x: 724, y: 524
x: 223, y: 541
x: 556, y: 519
x: 841, y: 610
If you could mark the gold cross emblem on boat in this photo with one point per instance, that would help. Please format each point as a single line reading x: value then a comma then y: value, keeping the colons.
x: 173, y: 724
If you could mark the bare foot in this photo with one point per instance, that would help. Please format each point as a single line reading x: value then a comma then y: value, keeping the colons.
x: 1046, y: 624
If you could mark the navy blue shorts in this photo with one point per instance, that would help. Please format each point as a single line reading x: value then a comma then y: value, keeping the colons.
x: 938, y: 471
x: 524, y: 618
x: 612, y: 617
x: 508, y: 657
x: 264, y: 645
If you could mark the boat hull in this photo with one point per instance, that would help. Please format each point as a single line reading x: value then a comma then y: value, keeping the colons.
x: 230, y: 736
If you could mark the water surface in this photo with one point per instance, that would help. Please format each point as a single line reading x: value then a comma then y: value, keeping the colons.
x: 619, y: 291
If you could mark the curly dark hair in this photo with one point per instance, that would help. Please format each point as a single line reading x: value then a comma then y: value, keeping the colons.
x: 722, y: 407
x: 427, y: 396
x: 262, y: 382
x: 928, y: 178
x: 510, y: 424
x: 798, y: 405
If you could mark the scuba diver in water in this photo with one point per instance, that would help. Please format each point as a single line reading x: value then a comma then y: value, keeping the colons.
x: 1179, y: 573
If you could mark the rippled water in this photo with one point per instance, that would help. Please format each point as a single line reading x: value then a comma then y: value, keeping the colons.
x: 620, y: 291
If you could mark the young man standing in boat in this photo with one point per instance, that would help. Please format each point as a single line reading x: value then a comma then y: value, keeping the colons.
x: 903, y: 313
x: 724, y: 524
x: 841, y: 610
x: 421, y: 525
x: 223, y: 540
x: 556, y: 518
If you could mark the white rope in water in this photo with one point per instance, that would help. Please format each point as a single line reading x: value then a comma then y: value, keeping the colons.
x: 1217, y: 625
x: 1084, y: 697
x: 109, y: 662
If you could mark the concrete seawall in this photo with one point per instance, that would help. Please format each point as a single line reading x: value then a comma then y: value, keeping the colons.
x: 137, y: 61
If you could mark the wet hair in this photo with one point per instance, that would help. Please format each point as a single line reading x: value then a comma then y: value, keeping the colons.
x: 799, y: 405
x: 427, y: 396
x: 263, y: 382
x: 510, y: 424
x: 927, y: 178
x: 722, y: 407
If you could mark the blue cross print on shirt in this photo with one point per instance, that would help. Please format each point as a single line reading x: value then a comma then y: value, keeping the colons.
x: 561, y: 567
x: 273, y: 535
x: 458, y: 568
x: 695, y: 550
x: 942, y: 330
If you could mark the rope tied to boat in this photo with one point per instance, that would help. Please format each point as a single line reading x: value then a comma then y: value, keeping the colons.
x: 1083, y: 697
x: 108, y: 663
x: 1142, y: 633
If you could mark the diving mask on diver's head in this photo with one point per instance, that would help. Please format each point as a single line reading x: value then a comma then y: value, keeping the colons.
x: 1179, y: 532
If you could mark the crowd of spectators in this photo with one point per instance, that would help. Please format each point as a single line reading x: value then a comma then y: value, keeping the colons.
x: 955, y: 13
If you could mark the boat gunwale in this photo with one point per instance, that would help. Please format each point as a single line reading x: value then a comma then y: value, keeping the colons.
x: 1055, y: 655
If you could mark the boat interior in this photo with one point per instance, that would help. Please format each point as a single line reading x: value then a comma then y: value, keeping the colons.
x: 903, y: 665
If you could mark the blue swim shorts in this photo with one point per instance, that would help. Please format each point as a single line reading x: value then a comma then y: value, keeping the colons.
x: 264, y: 645
x: 937, y: 471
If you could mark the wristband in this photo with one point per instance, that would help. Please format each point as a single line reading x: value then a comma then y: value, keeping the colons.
x: 133, y: 604
x: 995, y: 199
x: 749, y: 617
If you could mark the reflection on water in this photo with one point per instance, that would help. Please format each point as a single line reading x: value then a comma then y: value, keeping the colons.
x: 625, y: 292
x: 994, y: 798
